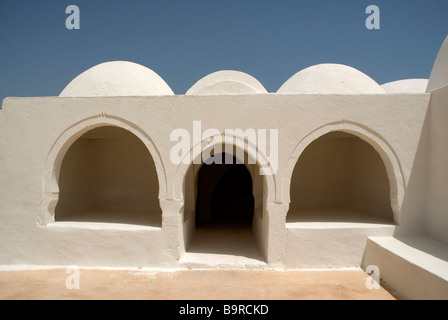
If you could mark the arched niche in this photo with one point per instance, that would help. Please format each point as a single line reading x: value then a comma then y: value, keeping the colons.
x: 108, y: 175
x: 340, y: 177
x: 115, y: 131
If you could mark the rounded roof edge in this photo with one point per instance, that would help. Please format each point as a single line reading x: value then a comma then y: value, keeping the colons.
x: 117, y: 78
x: 406, y: 86
x: 330, y: 79
x: 226, y: 82
x: 439, y: 73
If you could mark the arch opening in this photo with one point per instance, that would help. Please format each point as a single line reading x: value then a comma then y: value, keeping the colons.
x: 108, y: 175
x: 224, y: 207
x: 340, y: 177
x: 225, y: 193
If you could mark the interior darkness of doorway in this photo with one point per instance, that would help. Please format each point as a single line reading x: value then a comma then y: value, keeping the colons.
x: 224, y: 194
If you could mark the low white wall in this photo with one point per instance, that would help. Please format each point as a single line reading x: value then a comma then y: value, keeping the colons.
x: 31, y: 131
x: 89, y: 245
x: 329, y: 245
x: 415, y: 268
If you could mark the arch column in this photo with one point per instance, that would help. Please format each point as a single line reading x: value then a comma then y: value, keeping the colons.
x: 172, y: 227
x: 274, y: 225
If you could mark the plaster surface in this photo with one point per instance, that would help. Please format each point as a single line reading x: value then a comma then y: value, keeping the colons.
x: 330, y: 79
x: 338, y: 244
x: 439, y: 73
x: 436, y: 221
x: 117, y: 78
x: 227, y: 82
x: 406, y: 86
x: 416, y: 267
x: 34, y: 164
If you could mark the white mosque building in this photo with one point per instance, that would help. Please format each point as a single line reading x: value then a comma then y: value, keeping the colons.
x: 331, y: 171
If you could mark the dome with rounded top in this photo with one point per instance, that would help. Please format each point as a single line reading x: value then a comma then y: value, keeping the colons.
x: 406, y: 86
x: 117, y: 78
x: 227, y: 82
x: 330, y: 79
x: 439, y: 73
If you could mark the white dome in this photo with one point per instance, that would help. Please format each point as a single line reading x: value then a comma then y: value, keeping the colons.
x: 406, y: 86
x: 330, y: 79
x: 117, y: 78
x: 439, y: 74
x: 227, y: 82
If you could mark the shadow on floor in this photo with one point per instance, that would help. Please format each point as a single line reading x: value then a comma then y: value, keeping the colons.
x: 225, y: 237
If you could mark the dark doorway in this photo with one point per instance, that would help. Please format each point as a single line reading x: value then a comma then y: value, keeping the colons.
x: 224, y: 194
x: 222, y: 213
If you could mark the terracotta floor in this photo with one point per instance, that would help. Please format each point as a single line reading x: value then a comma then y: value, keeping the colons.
x: 189, y: 285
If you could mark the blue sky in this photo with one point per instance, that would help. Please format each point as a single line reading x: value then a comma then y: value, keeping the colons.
x: 184, y: 40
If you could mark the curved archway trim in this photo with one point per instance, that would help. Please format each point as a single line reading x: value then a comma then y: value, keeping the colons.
x: 176, y: 193
x: 388, y: 155
x: 67, y: 138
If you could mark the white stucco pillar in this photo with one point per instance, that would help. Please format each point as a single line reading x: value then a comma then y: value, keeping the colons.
x: 275, y: 233
x: 172, y: 227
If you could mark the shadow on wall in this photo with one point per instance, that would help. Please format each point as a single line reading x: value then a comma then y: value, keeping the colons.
x: 414, y: 202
